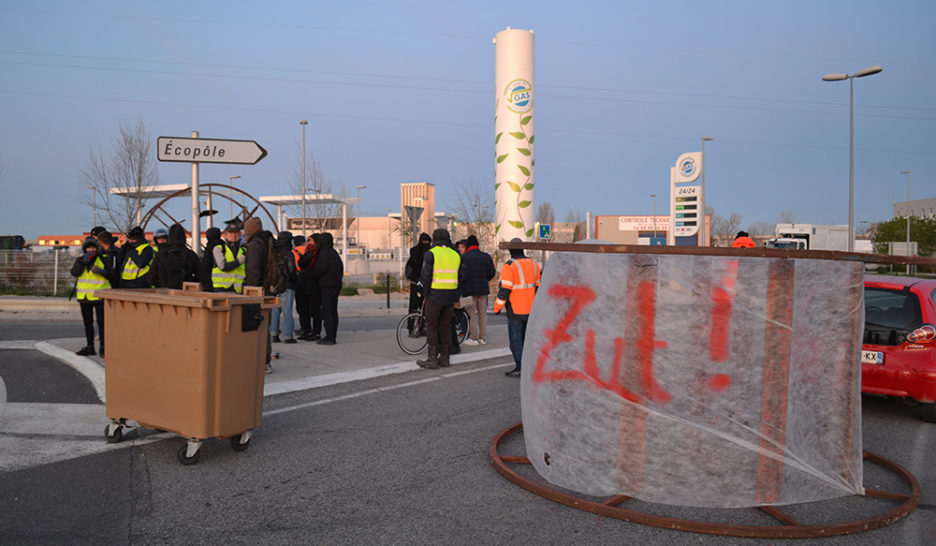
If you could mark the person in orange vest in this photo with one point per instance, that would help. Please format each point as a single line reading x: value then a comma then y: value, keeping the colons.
x: 743, y: 240
x: 519, y: 280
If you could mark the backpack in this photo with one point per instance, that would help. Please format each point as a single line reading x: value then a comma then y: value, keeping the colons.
x: 276, y: 278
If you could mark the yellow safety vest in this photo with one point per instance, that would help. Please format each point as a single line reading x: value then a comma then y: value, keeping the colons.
x: 224, y: 280
x: 445, y: 268
x: 89, y: 281
x: 130, y: 270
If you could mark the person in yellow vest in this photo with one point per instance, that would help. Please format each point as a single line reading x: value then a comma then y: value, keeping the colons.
x: 519, y: 280
x: 228, y: 271
x: 135, y: 259
x: 92, y: 274
x: 439, y: 278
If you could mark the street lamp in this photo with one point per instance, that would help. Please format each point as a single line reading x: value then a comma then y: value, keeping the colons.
x: 94, y: 205
x: 231, y: 180
x: 653, y: 195
x: 359, y: 188
x: 702, y: 217
x: 303, y: 123
x: 908, y: 215
x: 869, y: 71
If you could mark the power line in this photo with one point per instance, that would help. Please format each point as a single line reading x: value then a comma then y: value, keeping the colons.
x: 453, y: 90
x: 540, y: 129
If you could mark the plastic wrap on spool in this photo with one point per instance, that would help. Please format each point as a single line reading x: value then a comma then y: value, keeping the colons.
x: 696, y: 380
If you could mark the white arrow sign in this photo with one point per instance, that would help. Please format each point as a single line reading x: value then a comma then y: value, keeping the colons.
x: 205, y: 150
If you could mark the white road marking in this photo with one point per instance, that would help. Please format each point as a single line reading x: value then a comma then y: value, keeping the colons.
x: 18, y: 344
x: 85, y: 366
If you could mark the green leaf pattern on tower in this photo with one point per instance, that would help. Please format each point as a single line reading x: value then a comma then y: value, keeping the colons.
x: 525, y: 167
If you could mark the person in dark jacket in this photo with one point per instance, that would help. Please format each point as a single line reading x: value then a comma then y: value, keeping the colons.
x: 255, y: 264
x: 474, y: 277
x: 309, y: 297
x: 285, y: 311
x: 136, y: 256
x: 213, y: 239
x: 413, y: 270
x: 328, y: 272
x: 439, y: 278
x: 110, y: 253
x: 91, y: 275
x: 175, y: 263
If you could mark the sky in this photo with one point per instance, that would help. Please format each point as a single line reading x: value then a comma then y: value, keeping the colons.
x: 403, y: 91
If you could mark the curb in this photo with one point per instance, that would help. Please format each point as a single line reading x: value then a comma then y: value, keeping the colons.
x: 93, y: 371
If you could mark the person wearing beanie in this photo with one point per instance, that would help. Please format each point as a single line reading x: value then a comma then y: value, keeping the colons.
x: 212, y: 240
x: 109, y: 255
x: 284, y: 242
x: 474, y: 277
x: 135, y: 259
x: 519, y: 280
x: 255, y: 264
x: 743, y: 240
x: 160, y: 236
x: 96, y: 231
x: 439, y: 278
x: 412, y: 271
x: 328, y: 274
x: 91, y: 274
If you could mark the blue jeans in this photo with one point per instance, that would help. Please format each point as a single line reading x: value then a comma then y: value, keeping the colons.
x: 286, y: 308
x: 516, y: 333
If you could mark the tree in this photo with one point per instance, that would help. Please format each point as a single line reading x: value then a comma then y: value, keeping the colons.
x: 316, y: 183
x: 786, y: 217
x: 759, y: 229
x: 725, y: 229
x: 922, y: 230
x: 129, y: 167
x: 545, y: 214
x: 472, y: 211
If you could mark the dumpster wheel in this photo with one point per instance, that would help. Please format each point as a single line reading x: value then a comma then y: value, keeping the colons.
x: 788, y: 527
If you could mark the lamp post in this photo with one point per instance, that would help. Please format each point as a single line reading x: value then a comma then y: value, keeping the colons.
x: 908, y: 215
x: 653, y: 195
x: 303, y: 123
x: 231, y: 180
x: 358, y: 219
x: 94, y: 205
x: 702, y: 217
x: 869, y: 71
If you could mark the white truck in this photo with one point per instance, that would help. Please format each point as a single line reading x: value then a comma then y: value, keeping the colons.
x: 810, y: 237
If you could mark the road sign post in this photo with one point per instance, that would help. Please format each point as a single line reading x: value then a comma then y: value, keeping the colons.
x: 196, y: 150
x: 545, y: 232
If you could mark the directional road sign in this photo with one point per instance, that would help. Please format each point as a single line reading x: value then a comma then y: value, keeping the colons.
x: 206, y: 150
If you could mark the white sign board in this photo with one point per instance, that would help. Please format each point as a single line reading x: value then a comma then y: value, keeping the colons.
x: 204, y: 150
x: 688, y: 167
x: 643, y: 223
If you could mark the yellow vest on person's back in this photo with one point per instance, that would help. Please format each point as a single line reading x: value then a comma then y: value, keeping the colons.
x: 445, y: 268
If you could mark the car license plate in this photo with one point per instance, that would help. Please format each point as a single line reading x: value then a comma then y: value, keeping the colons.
x: 872, y: 357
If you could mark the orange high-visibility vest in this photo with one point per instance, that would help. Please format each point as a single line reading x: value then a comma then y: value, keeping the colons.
x: 521, y: 277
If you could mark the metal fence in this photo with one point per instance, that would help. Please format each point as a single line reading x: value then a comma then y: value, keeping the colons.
x: 44, y: 272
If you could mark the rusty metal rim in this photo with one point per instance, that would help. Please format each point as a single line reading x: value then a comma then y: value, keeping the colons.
x: 760, y: 252
x: 789, y: 527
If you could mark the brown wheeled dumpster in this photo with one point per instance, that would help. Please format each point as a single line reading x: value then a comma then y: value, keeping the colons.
x: 186, y: 361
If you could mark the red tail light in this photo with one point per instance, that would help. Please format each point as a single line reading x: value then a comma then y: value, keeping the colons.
x: 923, y: 334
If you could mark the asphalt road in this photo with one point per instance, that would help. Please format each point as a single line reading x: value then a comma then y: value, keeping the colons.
x: 400, y: 459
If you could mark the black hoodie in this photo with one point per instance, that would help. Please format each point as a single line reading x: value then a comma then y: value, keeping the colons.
x: 175, y: 263
x: 328, y: 269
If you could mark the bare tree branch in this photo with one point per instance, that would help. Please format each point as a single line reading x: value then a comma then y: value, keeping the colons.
x: 130, y: 166
x: 473, y: 211
x: 786, y: 217
x: 545, y: 214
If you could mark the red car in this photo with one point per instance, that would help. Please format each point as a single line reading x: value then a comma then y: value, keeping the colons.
x: 898, y: 357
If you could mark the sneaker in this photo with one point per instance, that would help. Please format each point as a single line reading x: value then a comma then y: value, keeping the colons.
x: 88, y: 350
x: 290, y: 340
x: 470, y: 341
x: 481, y: 341
x: 311, y: 337
x: 268, y: 369
x: 514, y: 372
x: 275, y: 339
x: 326, y: 342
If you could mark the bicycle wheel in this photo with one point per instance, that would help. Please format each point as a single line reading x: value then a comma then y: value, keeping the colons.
x: 461, y: 325
x: 411, y: 335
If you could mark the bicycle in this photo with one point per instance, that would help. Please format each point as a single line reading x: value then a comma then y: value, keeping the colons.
x: 411, y: 331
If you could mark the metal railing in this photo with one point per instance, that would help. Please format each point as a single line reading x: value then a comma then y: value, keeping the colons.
x: 46, y: 272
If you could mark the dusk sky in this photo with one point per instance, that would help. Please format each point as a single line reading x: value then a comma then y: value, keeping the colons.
x: 404, y: 92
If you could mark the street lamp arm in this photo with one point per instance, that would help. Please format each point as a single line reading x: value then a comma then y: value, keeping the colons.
x: 870, y: 71
x: 834, y: 77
